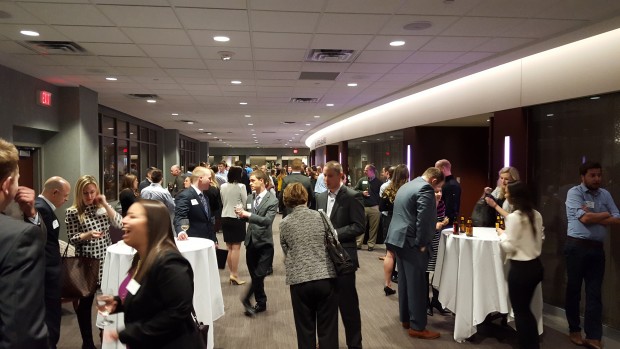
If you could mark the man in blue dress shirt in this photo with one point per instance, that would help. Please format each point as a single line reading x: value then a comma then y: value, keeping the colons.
x: 589, y: 210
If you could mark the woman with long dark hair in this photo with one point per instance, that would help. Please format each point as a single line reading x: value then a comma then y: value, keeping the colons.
x: 522, y: 241
x: 159, y: 304
x: 128, y: 194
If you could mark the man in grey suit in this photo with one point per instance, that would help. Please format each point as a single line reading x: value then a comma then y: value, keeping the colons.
x: 261, y: 209
x: 345, y: 209
x: 296, y: 176
x: 410, y: 234
x: 22, y: 262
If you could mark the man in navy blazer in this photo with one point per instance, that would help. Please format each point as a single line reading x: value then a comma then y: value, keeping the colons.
x: 410, y: 233
x: 22, y: 262
x: 192, y: 204
x: 55, y: 193
x: 345, y: 209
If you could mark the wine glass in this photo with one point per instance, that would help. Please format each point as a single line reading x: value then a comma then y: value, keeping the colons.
x: 238, y: 209
x: 185, y: 225
x: 104, y: 305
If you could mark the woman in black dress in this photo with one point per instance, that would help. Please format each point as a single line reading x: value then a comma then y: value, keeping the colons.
x: 128, y: 193
x: 233, y: 193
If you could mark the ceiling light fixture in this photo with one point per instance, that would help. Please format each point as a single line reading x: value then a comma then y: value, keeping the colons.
x: 29, y: 33
x: 190, y: 122
x: 201, y: 129
x: 317, y: 116
x: 250, y: 124
x: 236, y: 82
x: 352, y: 84
x: 549, y: 114
x: 221, y: 38
x: 151, y: 101
x: 248, y: 116
x: 110, y: 78
x: 397, y: 43
x: 418, y: 25
x: 307, y: 124
x: 243, y: 103
x: 329, y: 104
x: 175, y: 114
x: 301, y: 130
x: 595, y: 97
x: 209, y: 133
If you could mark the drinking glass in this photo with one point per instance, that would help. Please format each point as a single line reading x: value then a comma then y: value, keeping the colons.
x: 185, y: 224
x: 104, y: 305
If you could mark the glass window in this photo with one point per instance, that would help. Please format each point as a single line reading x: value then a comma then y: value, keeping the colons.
x: 144, y: 134
x: 134, y: 159
x: 122, y: 156
x: 107, y: 126
x: 133, y: 131
x: 122, y: 129
x: 152, y: 136
x: 108, y: 149
x: 153, y: 155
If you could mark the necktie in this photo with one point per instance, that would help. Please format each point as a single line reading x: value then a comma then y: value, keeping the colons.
x: 205, y: 204
x: 256, y: 203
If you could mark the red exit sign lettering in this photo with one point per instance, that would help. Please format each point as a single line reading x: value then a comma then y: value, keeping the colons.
x: 44, y: 98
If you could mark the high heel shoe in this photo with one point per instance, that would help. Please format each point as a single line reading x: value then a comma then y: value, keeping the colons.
x: 439, y: 307
x: 235, y: 281
x: 388, y: 291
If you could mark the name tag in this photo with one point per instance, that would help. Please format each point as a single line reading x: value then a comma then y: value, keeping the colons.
x: 249, y: 206
x: 194, y: 202
x: 133, y: 286
x: 590, y: 204
x: 55, y: 224
x: 364, y: 182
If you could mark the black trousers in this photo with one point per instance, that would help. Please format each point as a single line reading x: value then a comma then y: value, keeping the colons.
x: 523, y: 278
x: 52, y: 305
x: 349, y: 306
x: 315, y: 309
x: 84, y: 316
x: 259, y: 261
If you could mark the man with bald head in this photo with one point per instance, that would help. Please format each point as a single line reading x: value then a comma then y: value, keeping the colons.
x: 55, y: 193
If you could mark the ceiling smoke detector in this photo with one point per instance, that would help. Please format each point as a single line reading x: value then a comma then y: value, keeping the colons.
x: 418, y: 25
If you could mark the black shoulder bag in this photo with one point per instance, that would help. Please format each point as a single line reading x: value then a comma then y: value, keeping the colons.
x: 342, y: 262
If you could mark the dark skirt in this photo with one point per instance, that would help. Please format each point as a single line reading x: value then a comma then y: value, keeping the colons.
x: 234, y: 230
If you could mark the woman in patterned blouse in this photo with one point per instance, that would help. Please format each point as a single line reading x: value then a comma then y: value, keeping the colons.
x: 88, y: 223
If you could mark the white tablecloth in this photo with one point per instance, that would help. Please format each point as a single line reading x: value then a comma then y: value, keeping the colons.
x: 208, y: 300
x: 471, y: 277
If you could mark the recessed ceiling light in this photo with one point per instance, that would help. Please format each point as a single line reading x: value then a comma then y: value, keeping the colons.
x: 488, y: 120
x: 175, y: 114
x: 252, y: 130
x: 418, y: 25
x: 221, y: 38
x: 248, y: 116
x: 352, y: 84
x: 209, y: 133
x: 190, y: 122
x: 595, y: 97
x: 201, y: 129
x: 301, y: 130
x: 329, y: 104
x: 364, y: 141
x: 549, y: 114
x: 391, y: 136
x: 110, y: 78
x: 296, y: 134
x: 317, y: 116
x: 253, y: 136
x: 110, y: 128
x: 307, y: 124
x: 397, y: 43
x: 215, y: 137
x: 235, y: 82
x: 250, y: 124
x: 29, y: 33
x: 378, y: 139
x: 151, y: 101
x: 243, y: 103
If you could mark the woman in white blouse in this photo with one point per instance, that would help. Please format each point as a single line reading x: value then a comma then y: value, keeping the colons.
x: 88, y: 227
x: 233, y: 193
x: 522, y: 241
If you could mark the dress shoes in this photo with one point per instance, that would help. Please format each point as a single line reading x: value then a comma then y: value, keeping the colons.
x: 575, y: 338
x: 405, y: 325
x: 258, y: 308
x: 424, y: 334
x: 388, y: 291
x: 593, y: 343
x: 395, y: 279
x: 248, y: 308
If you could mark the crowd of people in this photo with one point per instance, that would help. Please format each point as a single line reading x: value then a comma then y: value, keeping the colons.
x: 243, y: 202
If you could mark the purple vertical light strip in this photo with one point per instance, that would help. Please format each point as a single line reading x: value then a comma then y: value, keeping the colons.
x: 507, y: 151
x: 583, y: 159
x: 409, y: 160
x: 340, y: 157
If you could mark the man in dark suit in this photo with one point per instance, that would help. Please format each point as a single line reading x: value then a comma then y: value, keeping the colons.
x: 261, y: 209
x: 296, y: 176
x: 410, y: 233
x: 193, y: 205
x: 147, y: 181
x: 451, y: 190
x: 55, y: 193
x: 345, y: 209
x: 245, y: 179
x: 22, y: 262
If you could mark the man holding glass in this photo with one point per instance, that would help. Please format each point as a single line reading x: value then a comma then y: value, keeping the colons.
x: 192, y: 205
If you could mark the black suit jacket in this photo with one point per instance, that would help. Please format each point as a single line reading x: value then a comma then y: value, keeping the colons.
x: 452, y: 197
x: 22, y: 271
x: 158, y: 315
x: 52, y: 247
x: 305, y: 181
x: 145, y: 183
x: 347, y: 217
x: 189, y: 206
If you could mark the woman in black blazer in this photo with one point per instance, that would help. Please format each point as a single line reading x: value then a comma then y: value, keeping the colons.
x: 157, y: 294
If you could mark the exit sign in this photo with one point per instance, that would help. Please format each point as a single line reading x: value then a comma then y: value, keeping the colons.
x: 295, y: 151
x: 44, y: 98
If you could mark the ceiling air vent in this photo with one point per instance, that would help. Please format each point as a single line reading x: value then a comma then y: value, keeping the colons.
x: 288, y: 122
x: 54, y: 47
x: 268, y: 132
x: 142, y: 96
x: 330, y: 55
x: 303, y: 100
x: 311, y: 75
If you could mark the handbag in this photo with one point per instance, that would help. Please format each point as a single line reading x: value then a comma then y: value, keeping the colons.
x: 341, y: 259
x: 203, y: 330
x: 79, y: 276
x: 484, y: 215
x: 221, y: 256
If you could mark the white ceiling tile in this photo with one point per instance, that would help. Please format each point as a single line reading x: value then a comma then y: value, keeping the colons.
x: 420, y: 68
x: 274, y: 75
x: 396, y: 24
x: 214, y: 19
x: 230, y: 4
x: 538, y: 28
x: 132, y: 2
x: 170, y: 51
x: 35, y: 59
x: 141, y: 16
x: 408, y: 78
x: 502, y: 44
x: 370, y: 68
x: 363, y: 6
x: 266, y: 94
x: 18, y: 15
x: 180, y: 63
x: 324, y: 67
x: 137, y: 62
x: 145, y: 78
x: 336, y: 23
x: 233, y: 74
x: 266, y: 54
x: 205, y: 38
x: 481, y: 26
x: 383, y: 56
x: 157, y: 36
x: 229, y: 65
x: 11, y: 31
x: 471, y: 57
x: 280, y: 40
x: 194, y: 80
x: 143, y: 72
x: 357, y: 77
x: 13, y: 47
x: 395, y: 84
x: 316, y: 83
x: 434, y: 7
x: 447, y: 67
x: 284, y: 22
x: 448, y: 43
x: 106, y: 49
x: 289, y: 5
x: 279, y: 89
x: 508, y: 8
x: 211, y: 53
x: 433, y: 57
x: 578, y: 9
x: 239, y: 88
x: 201, y: 87
x: 345, y: 42
x: 277, y: 66
x: 186, y: 73
x: 76, y: 14
x: 93, y: 34
x: 277, y: 83
x: 412, y: 43
x: 92, y: 61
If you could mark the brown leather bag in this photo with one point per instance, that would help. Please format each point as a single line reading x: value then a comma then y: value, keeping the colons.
x: 79, y: 276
